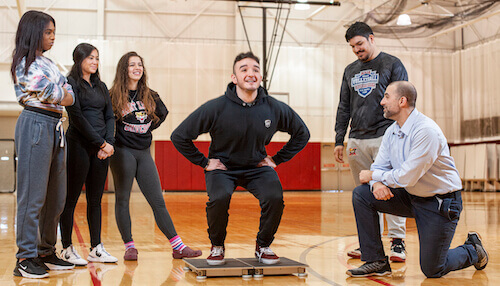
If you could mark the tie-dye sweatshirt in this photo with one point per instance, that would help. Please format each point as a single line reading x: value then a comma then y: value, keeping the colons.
x: 43, y: 86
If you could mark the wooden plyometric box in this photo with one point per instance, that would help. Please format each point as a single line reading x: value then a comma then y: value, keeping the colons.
x: 334, y: 175
x: 492, y: 161
x: 7, y: 165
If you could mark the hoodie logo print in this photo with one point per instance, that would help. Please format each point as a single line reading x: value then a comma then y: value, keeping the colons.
x: 141, y: 116
x: 267, y: 123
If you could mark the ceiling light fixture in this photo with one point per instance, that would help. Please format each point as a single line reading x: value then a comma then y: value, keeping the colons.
x: 302, y: 5
x: 404, y: 20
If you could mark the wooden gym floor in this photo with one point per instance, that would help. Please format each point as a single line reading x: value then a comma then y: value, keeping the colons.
x: 317, y: 228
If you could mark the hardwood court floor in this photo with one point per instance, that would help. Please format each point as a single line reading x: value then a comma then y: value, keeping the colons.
x: 317, y: 228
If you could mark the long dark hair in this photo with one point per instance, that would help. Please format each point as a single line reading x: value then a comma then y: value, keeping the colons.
x: 29, y: 37
x: 81, y: 52
x: 119, y: 90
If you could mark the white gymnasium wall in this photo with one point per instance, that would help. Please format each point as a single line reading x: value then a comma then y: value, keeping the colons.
x: 195, y: 66
x: 187, y: 74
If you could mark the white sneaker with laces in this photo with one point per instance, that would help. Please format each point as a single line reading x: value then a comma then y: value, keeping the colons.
x: 71, y: 255
x: 398, y: 250
x: 99, y: 254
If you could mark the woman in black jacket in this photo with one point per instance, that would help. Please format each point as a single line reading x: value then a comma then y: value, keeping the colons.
x: 90, y: 143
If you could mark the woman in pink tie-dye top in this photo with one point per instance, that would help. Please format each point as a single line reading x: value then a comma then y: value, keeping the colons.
x: 40, y: 145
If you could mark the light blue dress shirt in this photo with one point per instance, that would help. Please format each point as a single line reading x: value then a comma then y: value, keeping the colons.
x: 416, y: 157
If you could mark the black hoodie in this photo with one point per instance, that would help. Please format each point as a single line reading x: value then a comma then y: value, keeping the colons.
x: 133, y: 130
x: 240, y: 131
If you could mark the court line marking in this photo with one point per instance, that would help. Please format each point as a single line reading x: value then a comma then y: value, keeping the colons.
x: 90, y: 266
x: 303, y: 259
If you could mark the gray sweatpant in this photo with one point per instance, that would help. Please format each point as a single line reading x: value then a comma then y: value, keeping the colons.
x: 41, y: 183
x: 361, y: 154
x: 127, y: 164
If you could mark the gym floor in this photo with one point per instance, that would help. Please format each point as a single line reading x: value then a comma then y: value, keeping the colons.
x: 317, y: 228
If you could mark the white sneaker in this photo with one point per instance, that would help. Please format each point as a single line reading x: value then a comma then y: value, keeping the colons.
x: 398, y: 250
x: 99, y: 254
x: 71, y: 255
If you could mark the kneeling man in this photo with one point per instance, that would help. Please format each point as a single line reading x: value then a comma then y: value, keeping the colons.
x: 413, y: 176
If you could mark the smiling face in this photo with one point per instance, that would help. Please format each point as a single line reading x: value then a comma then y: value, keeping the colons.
x: 90, y: 64
x: 363, y: 48
x: 391, y: 103
x: 135, y: 69
x: 247, y: 75
x: 49, y: 36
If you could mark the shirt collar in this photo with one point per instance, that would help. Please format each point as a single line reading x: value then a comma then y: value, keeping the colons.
x: 410, y: 121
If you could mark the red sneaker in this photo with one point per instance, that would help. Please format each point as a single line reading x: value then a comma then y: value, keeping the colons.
x: 216, y: 256
x: 130, y: 254
x: 356, y: 253
x: 186, y: 252
x: 266, y: 255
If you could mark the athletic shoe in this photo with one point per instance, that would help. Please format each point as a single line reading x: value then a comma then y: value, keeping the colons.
x: 99, y: 254
x: 186, y: 252
x: 30, y: 269
x: 482, y: 256
x: 266, y: 255
x: 377, y: 268
x: 216, y: 256
x: 38, y: 261
x: 130, y: 254
x: 53, y: 262
x: 356, y: 253
x: 71, y: 255
x: 398, y: 250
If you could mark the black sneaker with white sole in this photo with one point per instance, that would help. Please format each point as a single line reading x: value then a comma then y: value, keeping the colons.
x: 30, y: 269
x: 39, y: 261
x: 482, y: 256
x: 53, y: 262
x: 377, y: 268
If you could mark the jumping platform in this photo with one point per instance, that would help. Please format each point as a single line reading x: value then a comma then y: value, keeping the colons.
x: 244, y: 267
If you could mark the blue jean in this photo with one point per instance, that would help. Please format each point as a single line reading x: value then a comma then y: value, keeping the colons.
x: 41, y: 183
x: 436, y: 220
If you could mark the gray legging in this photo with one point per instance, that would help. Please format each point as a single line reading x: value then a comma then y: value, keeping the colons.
x: 126, y: 164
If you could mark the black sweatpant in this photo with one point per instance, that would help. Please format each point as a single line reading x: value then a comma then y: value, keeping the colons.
x: 262, y: 182
x: 83, y: 166
x: 127, y: 164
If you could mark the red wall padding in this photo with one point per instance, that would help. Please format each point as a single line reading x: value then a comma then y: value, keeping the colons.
x: 303, y: 172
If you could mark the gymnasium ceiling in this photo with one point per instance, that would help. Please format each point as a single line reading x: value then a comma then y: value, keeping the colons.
x: 448, y: 24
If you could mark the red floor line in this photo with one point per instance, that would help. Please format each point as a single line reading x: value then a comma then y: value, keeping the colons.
x: 379, y: 281
x: 93, y: 275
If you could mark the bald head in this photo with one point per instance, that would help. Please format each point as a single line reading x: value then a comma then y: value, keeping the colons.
x: 406, y: 89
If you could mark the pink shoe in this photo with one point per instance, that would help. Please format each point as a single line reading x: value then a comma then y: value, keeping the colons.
x: 130, y: 254
x: 186, y: 252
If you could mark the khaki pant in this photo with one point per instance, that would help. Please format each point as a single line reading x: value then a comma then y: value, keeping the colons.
x: 361, y: 153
